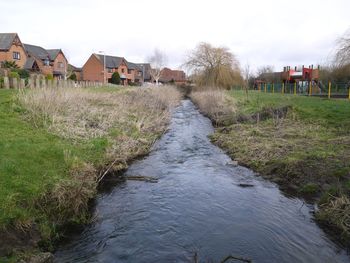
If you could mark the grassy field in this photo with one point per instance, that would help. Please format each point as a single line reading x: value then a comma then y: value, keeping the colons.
x: 55, y: 146
x: 301, y: 143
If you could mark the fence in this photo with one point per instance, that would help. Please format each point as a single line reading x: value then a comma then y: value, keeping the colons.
x: 41, y: 82
x: 330, y: 90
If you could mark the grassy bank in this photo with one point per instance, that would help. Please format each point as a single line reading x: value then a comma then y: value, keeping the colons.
x: 55, y: 146
x: 301, y: 143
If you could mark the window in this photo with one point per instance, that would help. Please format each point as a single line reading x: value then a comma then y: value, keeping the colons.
x: 60, y: 65
x: 46, y: 62
x: 122, y: 70
x: 16, y: 55
x: 109, y: 70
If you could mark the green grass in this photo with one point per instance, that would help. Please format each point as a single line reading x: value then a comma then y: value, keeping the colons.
x: 48, y: 176
x: 333, y: 113
x: 109, y: 89
x: 308, y: 150
x: 32, y: 161
x: 302, y: 143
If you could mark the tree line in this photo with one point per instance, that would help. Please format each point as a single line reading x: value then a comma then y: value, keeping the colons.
x: 219, y: 67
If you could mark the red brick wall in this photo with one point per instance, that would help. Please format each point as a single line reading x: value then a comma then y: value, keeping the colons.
x: 8, y: 55
x: 60, y: 59
x: 93, y: 70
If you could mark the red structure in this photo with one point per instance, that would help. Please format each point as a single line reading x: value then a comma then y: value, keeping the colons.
x: 304, y: 79
x: 293, y: 75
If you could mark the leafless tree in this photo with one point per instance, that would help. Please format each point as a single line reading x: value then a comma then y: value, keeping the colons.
x: 157, y: 61
x: 264, y: 69
x: 214, y: 66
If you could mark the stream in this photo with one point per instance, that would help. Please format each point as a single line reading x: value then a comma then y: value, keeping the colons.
x: 201, y: 204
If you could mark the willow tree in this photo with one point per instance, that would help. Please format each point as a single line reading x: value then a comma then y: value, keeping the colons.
x: 214, y: 66
x: 341, y: 66
x: 342, y: 56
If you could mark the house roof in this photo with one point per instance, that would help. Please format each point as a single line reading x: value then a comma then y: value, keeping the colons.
x: 29, y: 63
x: 111, y: 61
x: 74, y: 68
x: 6, y: 40
x: 36, y: 51
x: 133, y: 66
x: 53, y: 53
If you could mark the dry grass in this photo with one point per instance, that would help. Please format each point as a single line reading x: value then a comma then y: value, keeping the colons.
x: 84, y: 114
x: 129, y: 121
x: 336, y: 213
x: 214, y: 103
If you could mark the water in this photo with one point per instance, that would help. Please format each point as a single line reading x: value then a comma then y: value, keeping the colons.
x: 198, y: 206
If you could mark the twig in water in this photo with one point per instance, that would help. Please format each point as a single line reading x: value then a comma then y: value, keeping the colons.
x: 109, y: 168
x: 236, y: 258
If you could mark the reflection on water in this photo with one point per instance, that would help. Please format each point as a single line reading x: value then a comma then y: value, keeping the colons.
x: 198, y: 205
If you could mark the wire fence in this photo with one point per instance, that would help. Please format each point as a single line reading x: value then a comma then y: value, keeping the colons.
x: 330, y: 89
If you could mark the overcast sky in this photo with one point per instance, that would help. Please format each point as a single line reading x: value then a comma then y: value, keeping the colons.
x: 278, y: 33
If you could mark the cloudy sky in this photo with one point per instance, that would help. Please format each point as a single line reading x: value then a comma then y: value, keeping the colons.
x: 259, y: 32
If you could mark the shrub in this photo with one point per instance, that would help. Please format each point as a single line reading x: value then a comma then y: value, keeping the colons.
x: 49, y: 77
x: 9, y: 65
x: 215, y: 104
x: 73, y: 77
x: 14, y: 74
x: 23, y: 74
x: 115, y: 78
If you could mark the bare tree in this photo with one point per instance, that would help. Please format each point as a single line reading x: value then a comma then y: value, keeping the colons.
x: 264, y: 69
x: 214, y: 66
x: 157, y: 61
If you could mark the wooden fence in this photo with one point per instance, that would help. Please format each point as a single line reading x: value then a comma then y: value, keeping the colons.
x: 41, y: 82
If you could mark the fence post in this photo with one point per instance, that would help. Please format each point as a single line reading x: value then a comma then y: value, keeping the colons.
x: 265, y: 87
x: 6, y: 83
x: 329, y: 89
x: 43, y: 83
x: 295, y: 88
x: 310, y: 88
x: 14, y: 83
x: 349, y: 92
x: 22, y: 84
x: 282, y: 87
x: 273, y: 88
x: 37, y: 82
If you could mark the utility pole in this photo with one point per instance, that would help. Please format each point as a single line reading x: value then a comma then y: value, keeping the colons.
x: 104, y: 66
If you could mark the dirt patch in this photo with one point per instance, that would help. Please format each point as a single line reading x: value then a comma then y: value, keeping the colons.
x: 21, y: 240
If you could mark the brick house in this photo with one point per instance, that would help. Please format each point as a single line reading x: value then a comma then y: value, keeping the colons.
x: 176, y: 76
x: 50, y: 61
x: 59, y: 63
x: 94, y: 67
x: 12, y: 49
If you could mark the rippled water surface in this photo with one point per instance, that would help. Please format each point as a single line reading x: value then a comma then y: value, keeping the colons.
x: 198, y: 206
